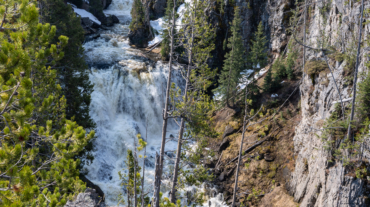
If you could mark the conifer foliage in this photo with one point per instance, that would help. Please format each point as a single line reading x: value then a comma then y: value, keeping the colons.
x: 38, y: 143
x: 140, y: 31
x: 234, y: 63
x: 257, y: 57
x: 72, y: 68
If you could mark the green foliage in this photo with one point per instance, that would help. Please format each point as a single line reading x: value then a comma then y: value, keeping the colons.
x: 39, y: 143
x: 128, y: 180
x: 72, y: 68
x: 257, y: 57
x: 137, y: 15
x: 363, y: 100
x: 234, y: 63
x: 165, y: 45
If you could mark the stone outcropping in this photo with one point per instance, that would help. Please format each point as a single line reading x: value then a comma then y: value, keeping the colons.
x: 87, y: 199
x: 316, y: 181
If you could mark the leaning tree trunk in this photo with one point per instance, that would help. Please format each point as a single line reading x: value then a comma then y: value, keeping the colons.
x: 241, y: 148
x: 158, y: 175
x: 304, y: 36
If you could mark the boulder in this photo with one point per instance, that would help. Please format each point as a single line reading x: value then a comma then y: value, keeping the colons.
x: 91, y: 185
x: 139, y: 37
x: 86, y: 22
x: 115, y: 19
x: 87, y: 199
x: 109, y: 21
x: 229, y: 130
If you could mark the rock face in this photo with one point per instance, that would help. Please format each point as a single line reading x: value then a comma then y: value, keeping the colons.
x: 157, y: 9
x: 87, y: 199
x: 277, y: 198
x: 139, y: 37
x: 315, y: 181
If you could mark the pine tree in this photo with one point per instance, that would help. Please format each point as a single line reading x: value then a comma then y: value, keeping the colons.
x: 140, y: 31
x: 131, y: 180
x: 197, y: 41
x: 72, y: 68
x: 165, y: 45
x: 137, y: 15
x: 267, y: 84
x: 257, y: 57
x: 234, y: 63
x: 38, y: 142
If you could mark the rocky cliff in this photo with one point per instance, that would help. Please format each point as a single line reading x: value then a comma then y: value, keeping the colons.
x: 312, y: 176
x: 316, y: 181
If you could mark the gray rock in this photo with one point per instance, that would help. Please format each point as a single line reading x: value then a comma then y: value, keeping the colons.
x: 229, y: 130
x: 315, y: 182
x: 87, y: 199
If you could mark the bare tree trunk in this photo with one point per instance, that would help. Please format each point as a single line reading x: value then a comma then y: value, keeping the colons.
x: 241, y: 148
x: 135, y: 193
x: 182, y: 126
x: 142, y: 179
x: 128, y: 197
x: 158, y: 175
x: 156, y: 181
x: 356, y: 71
x: 304, y: 35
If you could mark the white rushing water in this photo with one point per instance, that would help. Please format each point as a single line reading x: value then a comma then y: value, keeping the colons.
x: 129, y: 94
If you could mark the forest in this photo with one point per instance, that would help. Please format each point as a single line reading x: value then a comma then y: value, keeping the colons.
x: 172, y: 103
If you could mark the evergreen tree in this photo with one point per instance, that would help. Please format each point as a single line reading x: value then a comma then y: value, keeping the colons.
x: 131, y: 179
x: 257, y: 57
x: 234, y: 63
x: 165, y: 45
x: 267, y: 84
x: 72, y: 68
x: 193, y: 105
x: 140, y: 30
x: 38, y: 142
x: 137, y: 15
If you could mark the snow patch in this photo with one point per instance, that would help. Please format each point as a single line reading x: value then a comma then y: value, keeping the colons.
x: 84, y: 13
x: 157, y: 25
x: 259, y: 74
x: 274, y: 95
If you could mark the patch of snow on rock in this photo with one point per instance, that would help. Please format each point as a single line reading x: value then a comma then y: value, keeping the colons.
x: 84, y: 13
x: 157, y: 25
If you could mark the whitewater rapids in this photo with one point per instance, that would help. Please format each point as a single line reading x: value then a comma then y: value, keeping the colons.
x: 128, y: 99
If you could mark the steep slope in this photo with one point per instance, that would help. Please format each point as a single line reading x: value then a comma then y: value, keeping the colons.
x: 315, y: 177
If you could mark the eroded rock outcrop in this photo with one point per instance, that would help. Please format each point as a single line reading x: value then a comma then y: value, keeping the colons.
x: 316, y: 181
x: 87, y: 199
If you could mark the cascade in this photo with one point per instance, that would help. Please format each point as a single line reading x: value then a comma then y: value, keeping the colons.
x: 128, y: 99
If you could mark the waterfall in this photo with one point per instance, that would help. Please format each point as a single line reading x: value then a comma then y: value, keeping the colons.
x: 128, y: 99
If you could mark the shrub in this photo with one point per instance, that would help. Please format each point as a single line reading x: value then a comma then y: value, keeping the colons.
x: 314, y: 67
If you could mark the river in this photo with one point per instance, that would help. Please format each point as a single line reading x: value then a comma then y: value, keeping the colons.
x: 128, y: 99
